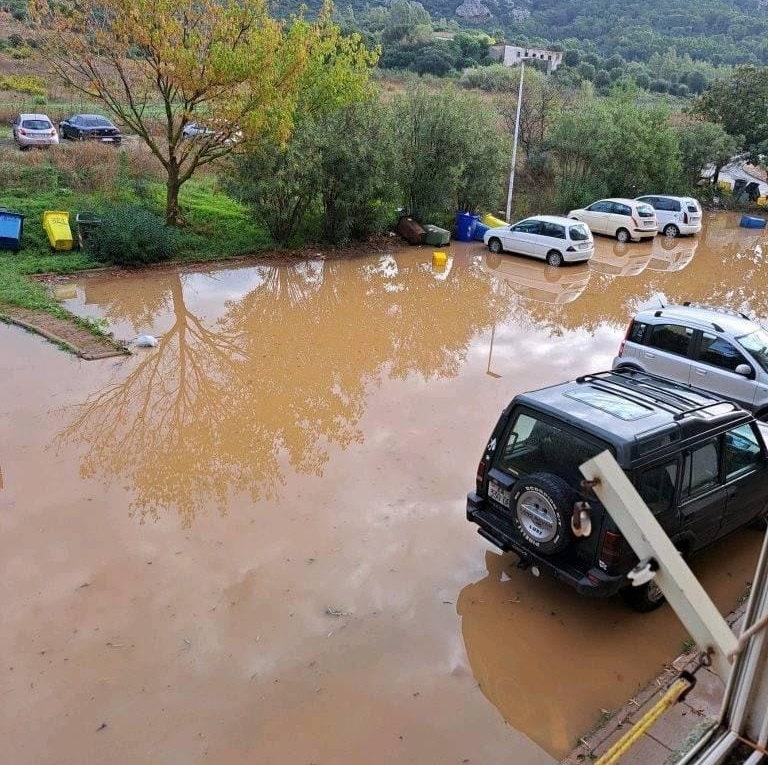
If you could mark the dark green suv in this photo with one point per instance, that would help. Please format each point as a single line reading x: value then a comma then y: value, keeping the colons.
x: 700, y: 463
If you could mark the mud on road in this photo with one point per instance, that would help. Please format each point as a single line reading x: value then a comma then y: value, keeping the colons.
x: 248, y: 544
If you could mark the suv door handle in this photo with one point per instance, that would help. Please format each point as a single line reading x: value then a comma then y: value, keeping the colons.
x: 649, y: 355
x: 701, y: 372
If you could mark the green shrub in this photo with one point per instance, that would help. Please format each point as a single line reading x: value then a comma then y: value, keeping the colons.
x: 132, y: 236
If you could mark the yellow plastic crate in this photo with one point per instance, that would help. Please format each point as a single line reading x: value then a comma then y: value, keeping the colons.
x: 724, y: 185
x: 56, y: 225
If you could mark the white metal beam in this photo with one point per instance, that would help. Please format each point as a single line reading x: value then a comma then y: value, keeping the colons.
x: 646, y: 537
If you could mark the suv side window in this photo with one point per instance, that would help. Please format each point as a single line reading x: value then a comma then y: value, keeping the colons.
x: 636, y: 332
x: 701, y: 470
x: 673, y: 338
x: 741, y: 451
x: 719, y: 352
x: 619, y: 209
x: 601, y: 207
x: 657, y: 486
x: 528, y: 227
x: 552, y: 229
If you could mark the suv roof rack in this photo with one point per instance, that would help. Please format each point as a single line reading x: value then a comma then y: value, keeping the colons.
x: 716, y: 309
x: 676, y: 403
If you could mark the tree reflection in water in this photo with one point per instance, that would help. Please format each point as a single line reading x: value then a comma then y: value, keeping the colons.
x: 282, y: 377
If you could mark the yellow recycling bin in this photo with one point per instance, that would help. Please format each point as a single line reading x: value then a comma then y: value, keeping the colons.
x: 492, y: 221
x: 56, y: 225
x: 724, y: 185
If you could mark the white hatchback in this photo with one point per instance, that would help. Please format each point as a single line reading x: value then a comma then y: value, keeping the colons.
x: 675, y: 215
x: 549, y: 237
x: 626, y: 219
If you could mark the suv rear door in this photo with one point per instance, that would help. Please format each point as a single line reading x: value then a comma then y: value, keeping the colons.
x: 744, y: 465
x: 713, y: 362
x: 666, y: 351
x: 702, y: 494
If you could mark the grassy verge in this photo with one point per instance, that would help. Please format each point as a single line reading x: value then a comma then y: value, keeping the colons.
x: 217, y: 226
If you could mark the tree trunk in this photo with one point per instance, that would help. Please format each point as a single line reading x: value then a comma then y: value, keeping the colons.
x: 172, y: 209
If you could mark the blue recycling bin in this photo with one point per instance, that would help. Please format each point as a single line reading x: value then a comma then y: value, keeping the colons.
x: 465, y: 226
x: 11, y: 229
x: 480, y: 229
x: 748, y: 221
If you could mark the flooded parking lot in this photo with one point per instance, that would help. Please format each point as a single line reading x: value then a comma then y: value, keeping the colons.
x: 248, y: 544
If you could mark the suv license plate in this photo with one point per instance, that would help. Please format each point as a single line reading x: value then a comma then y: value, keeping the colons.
x: 498, y: 493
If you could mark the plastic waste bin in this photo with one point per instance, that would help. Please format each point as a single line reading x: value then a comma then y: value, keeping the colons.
x: 87, y: 222
x: 11, y: 229
x: 410, y: 230
x: 480, y: 229
x: 56, y: 225
x: 493, y: 221
x: 748, y: 221
x: 436, y: 236
x: 465, y: 226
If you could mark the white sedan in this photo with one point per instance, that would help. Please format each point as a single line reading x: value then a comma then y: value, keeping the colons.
x: 549, y: 237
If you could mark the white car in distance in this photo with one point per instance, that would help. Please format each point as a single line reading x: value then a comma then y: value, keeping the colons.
x: 548, y: 237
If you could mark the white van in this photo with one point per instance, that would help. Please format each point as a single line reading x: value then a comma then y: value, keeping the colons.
x: 676, y: 215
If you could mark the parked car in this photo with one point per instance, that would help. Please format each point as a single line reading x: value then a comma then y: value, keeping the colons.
x: 720, y: 351
x: 700, y: 464
x: 626, y: 219
x: 33, y: 130
x: 551, y: 238
x: 675, y: 215
x: 84, y: 127
x: 195, y: 130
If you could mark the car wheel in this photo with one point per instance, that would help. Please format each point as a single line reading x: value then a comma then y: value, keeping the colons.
x: 647, y: 597
x: 554, y: 258
x: 542, y: 505
x: 494, y: 245
x: 671, y: 230
x: 622, y: 235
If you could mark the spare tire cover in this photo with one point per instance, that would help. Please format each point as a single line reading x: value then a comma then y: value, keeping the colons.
x: 542, y: 505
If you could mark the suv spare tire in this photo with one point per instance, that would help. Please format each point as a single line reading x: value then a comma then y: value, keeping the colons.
x: 542, y: 505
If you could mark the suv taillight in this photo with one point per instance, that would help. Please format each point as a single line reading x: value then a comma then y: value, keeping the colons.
x: 480, y: 477
x: 610, y: 550
x: 685, y: 217
x: 626, y: 337
x: 635, y: 222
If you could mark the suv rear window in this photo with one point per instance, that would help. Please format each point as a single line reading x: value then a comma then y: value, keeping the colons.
x: 671, y: 337
x: 534, y: 445
x: 36, y: 124
x: 579, y: 233
x: 645, y: 211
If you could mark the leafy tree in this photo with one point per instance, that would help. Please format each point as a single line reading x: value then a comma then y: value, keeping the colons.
x: 586, y: 70
x: 602, y: 78
x: 613, y: 147
x: 353, y: 178
x: 448, y: 152
x: 542, y: 100
x: 571, y: 58
x: 159, y: 65
x: 740, y: 104
x: 702, y: 144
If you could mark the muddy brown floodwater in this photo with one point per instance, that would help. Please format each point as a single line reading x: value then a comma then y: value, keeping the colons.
x: 248, y: 544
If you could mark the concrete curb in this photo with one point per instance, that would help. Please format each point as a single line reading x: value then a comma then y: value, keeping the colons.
x: 701, y: 708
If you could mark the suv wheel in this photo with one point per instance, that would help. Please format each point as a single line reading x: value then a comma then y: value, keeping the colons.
x: 671, y: 230
x: 495, y: 245
x: 554, y: 258
x: 542, y: 505
x: 646, y: 597
x: 622, y: 235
